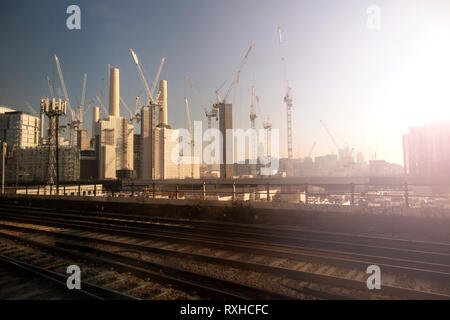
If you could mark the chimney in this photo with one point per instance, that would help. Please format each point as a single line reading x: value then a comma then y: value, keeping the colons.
x: 114, y: 92
x: 163, y: 102
x: 95, y: 119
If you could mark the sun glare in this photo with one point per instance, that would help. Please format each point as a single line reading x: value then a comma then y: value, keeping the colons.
x: 420, y: 92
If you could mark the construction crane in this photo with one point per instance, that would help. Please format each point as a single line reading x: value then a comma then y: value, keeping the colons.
x: 236, y: 78
x: 188, y: 118
x: 83, y: 97
x: 209, y: 114
x: 77, y: 121
x: 50, y: 87
x: 252, y: 124
x: 158, y: 73
x: 252, y: 109
x: 101, y: 104
x: 87, y: 108
x: 151, y: 101
x: 331, y: 136
x: 128, y: 108
x: 141, y: 73
x: 312, y: 149
x: 138, y: 105
x: 289, y: 105
x: 267, y: 125
x: 31, y: 109
x: 102, y: 94
x: 63, y: 86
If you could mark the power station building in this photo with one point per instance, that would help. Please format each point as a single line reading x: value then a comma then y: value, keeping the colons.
x: 226, y: 123
x: 114, y: 137
x: 157, y: 144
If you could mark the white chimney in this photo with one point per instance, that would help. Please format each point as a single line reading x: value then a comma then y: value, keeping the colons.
x: 114, y: 92
x: 163, y: 101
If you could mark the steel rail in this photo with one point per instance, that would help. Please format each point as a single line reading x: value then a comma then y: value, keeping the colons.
x: 279, y: 271
x: 185, y: 280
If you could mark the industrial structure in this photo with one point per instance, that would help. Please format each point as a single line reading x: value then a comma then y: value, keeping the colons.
x: 53, y: 109
x: 226, y: 123
x: 289, y: 105
x: 114, y: 137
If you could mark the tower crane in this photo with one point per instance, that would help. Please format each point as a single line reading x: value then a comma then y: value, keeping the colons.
x: 252, y: 124
x: 83, y: 97
x: 188, y: 117
x: 289, y: 105
x: 331, y: 136
x: 63, y: 86
x: 151, y: 101
x: 236, y: 78
x: 209, y: 114
x: 252, y: 109
x: 101, y: 104
x: 50, y: 87
x: 141, y: 73
x: 267, y: 125
x: 87, y: 108
x: 158, y: 73
x: 77, y: 121
x: 31, y: 109
x: 138, y: 104
x: 127, y: 107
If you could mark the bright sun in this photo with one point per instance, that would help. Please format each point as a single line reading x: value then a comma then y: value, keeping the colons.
x: 420, y: 93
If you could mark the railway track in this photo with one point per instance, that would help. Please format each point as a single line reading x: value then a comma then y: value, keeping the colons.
x: 187, y: 285
x: 23, y: 280
x: 273, y: 234
x: 95, y: 228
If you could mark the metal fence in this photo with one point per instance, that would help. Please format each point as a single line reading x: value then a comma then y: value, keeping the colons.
x: 363, y: 195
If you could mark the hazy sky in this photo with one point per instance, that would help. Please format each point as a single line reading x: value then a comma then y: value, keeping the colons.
x: 367, y: 86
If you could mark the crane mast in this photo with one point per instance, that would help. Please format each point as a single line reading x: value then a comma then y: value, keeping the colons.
x: 252, y: 125
x: 188, y: 117
x: 289, y: 105
x: 267, y: 125
x: 209, y: 114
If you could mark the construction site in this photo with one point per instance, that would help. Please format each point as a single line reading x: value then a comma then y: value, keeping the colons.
x: 135, y: 152
x: 195, y: 151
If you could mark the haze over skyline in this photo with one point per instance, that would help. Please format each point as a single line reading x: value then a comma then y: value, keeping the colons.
x: 367, y: 86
